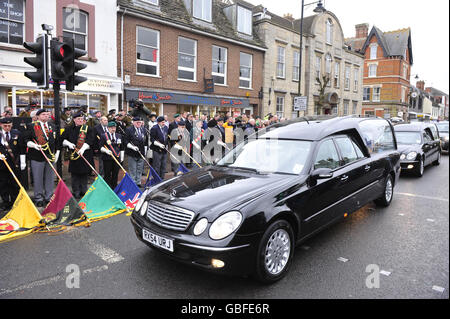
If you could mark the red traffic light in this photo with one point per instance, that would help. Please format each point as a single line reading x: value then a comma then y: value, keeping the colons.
x: 61, y: 51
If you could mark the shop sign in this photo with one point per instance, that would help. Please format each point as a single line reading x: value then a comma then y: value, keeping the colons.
x: 103, y: 86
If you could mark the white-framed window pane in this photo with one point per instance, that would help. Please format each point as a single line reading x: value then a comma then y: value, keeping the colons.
x: 12, y: 16
x: 244, y: 20
x: 281, y: 71
x: 245, y: 70
x: 280, y: 106
x: 329, y: 31
x: 75, y: 26
x: 147, y: 51
x: 155, y: 2
x: 346, y: 103
x: 296, y: 68
x: 318, y: 67
x: 187, y: 59
x: 373, y: 52
x: 372, y: 70
x: 376, y: 94
x: 202, y: 9
x: 219, y: 64
x: 337, y: 70
x: 366, y: 94
x: 347, y: 77
x: 355, y: 79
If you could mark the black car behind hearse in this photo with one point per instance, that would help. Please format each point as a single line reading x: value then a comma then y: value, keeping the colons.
x: 419, y: 145
x: 245, y: 214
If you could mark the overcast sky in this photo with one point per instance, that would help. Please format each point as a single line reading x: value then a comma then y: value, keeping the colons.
x: 428, y: 20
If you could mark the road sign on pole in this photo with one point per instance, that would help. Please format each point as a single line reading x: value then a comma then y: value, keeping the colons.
x: 300, y: 103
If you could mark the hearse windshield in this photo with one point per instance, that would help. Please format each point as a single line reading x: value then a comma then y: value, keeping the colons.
x: 269, y: 156
x: 408, y: 138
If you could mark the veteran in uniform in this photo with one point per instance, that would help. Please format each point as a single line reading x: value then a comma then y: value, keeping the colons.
x: 80, y: 139
x: 11, y: 148
x: 136, y: 142
x: 111, y: 145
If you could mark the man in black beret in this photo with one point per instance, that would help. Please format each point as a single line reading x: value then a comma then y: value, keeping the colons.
x: 159, y: 141
x: 111, y: 145
x: 80, y: 139
x: 179, y: 140
x: 135, y: 148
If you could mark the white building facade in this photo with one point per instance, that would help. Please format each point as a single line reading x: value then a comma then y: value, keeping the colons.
x: 92, y: 24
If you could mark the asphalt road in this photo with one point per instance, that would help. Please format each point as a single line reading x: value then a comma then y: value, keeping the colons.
x: 406, y: 245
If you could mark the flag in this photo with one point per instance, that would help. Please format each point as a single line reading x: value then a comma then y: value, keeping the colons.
x: 22, y: 219
x: 63, y: 209
x: 128, y: 192
x: 152, y: 178
x: 182, y: 169
x: 101, y: 202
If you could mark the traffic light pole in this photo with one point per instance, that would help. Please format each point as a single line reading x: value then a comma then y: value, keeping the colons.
x: 56, y: 89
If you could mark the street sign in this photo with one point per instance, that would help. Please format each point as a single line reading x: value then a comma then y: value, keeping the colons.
x: 300, y: 103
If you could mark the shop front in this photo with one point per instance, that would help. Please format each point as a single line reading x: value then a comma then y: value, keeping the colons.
x: 170, y: 103
x: 19, y: 92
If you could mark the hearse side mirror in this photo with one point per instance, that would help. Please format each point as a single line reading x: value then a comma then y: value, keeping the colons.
x: 320, y: 173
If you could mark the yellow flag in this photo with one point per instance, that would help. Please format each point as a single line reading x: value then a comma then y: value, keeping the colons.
x: 23, y: 218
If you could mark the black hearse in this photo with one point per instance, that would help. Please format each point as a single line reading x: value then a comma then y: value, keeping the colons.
x: 419, y: 145
x: 246, y: 214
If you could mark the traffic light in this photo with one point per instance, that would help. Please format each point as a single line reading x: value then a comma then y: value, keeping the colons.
x: 61, y: 60
x: 73, y: 79
x: 40, y: 61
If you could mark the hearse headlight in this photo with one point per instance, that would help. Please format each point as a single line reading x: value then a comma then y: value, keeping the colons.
x: 225, y: 225
x: 411, y: 156
x: 200, y: 226
x: 402, y: 157
x: 142, y: 200
x: 143, y: 208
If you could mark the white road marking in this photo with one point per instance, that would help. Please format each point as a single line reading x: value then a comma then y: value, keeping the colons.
x: 344, y: 260
x: 106, y: 254
x: 49, y: 281
x: 438, y: 288
x: 423, y: 196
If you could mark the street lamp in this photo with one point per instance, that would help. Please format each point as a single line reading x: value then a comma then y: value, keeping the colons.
x: 318, y: 9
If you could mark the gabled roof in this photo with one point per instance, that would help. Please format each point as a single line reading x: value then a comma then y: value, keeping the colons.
x: 174, y: 11
x: 393, y: 43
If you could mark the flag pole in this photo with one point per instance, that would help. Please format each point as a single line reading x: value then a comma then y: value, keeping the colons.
x: 87, y: 162
x: 10, y: 170
x: 143, y: 157
x: 117, y: 162
x: 188, y: 155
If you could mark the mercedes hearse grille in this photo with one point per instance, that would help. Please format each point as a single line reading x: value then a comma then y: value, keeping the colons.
x: 168, y: 216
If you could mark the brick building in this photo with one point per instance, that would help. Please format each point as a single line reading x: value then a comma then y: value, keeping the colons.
x: 170, y: 47
x: 387, y: 70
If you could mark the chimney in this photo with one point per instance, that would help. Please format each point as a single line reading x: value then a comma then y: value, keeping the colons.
x: 362, y: 30
x: 420, y: 85
x: 289, y: 17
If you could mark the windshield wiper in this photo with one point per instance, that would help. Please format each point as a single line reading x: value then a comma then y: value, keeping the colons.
x: 247, y: 169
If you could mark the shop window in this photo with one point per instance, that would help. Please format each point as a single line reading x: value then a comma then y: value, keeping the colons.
x: 76, y: 99
x: 12, y: 21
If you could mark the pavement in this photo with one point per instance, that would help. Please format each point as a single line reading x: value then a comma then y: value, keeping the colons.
x: 399, y: 252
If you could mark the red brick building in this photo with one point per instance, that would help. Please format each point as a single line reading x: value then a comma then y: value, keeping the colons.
x: 170, y: 50
x: 387, y: 70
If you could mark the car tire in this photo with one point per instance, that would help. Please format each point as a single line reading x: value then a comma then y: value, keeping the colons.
x: 388, y: 193
x: 420, y: 168
x: 437, y: 162
x: 275, y: 252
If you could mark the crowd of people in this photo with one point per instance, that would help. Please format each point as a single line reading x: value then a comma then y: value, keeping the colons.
x: 113, y: 140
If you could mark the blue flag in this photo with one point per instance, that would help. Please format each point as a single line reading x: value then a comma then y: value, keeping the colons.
x: 152, y: 178
x: 182, y: 169
x: 128, y: 192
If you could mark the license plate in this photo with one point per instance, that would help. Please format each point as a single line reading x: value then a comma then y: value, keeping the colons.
x: 158, y: 241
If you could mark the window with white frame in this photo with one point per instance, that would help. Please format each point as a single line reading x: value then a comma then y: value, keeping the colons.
x: 280, y: 106
x: 296, y: 66
x: 376, y: 94
x: 373, y: 51
x: 355, y: 80
x: 244, y: 20
x: 328, y: 62
x: 187, y: 59
x: 281, y: 65
x: 366, y: 94
x: 154, y: 2
x: 245, y: 70
x: 12, y: 21
x: 337, y: 70
x: 372, y: 70
x: 202, y: 9
x: 347, y: 77
x: 318, y: 68
x: 147, y: 49
x: 219, y: 65
x: 346, y: 104
x: 403, y: 94
x: 329, y: 32
x: 405, y: 71
x: 75, y: 26
x: 355, y: 107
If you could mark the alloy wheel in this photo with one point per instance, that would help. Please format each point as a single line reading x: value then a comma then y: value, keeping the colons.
x: 277, y: 252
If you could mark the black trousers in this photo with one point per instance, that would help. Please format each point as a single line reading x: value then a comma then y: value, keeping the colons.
x: 111, y: 172
x: 8, y: 186
x: 79, y: 185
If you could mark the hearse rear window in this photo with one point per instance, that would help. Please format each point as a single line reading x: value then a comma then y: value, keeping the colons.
x: 377, y: 135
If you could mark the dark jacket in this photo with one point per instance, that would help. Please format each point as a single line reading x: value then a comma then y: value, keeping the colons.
x: 115, y: 144
x: 15, y: 146
x: 131, y: 136
x: 79, y: 166
x: 30, y: 135
x: 156, y: 134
